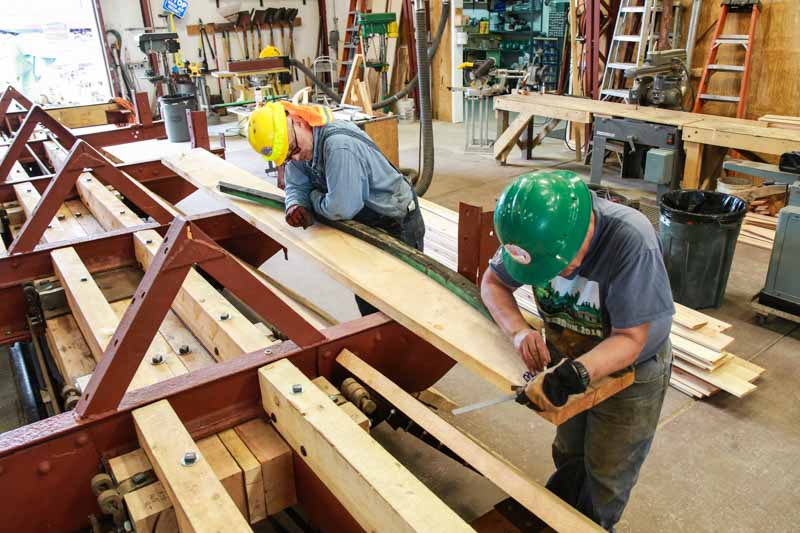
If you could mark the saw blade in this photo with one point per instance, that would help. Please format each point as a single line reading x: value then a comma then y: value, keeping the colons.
x: 483, y: 404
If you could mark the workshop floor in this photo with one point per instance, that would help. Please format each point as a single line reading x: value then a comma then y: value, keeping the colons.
x: 721, y: 464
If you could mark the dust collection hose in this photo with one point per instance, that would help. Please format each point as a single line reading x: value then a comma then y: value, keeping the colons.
x: 422, y: 78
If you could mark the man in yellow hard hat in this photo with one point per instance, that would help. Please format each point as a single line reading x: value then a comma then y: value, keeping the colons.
x: 334, y: 170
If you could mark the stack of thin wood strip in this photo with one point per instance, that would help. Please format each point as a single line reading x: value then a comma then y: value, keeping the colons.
x: 758, y: 230
x: 702, y: 365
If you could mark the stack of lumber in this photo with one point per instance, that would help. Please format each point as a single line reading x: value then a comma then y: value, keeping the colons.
x: 758, y: 230
x: 702, y: 365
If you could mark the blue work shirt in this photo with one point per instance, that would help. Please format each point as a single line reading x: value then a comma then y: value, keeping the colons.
x: 345, y: 175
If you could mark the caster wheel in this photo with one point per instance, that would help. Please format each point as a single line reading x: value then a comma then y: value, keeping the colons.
x: 101, y: 483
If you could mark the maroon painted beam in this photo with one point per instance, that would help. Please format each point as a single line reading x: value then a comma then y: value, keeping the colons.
x: 11, y: 94
x: 184, y: 246
x: 65, y: 451
x: 477, y: 241
x: 80, y: 158
x: 113, y: 250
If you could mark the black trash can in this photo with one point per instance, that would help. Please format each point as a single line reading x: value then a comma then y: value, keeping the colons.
x: 173, y: 111
x: 698, y: 236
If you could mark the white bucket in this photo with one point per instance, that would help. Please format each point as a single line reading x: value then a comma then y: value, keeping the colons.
x: 732, y: 184
x: 405, y: 109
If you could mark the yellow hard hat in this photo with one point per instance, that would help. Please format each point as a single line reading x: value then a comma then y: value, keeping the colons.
x: 269, y: 51
x: 267, y: 132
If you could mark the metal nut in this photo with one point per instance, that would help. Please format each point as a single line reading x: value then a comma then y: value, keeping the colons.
x: 78, y: 214
x: 184, y: 349
x: 149, y: 241
x: 268, y: 351
x: 189, y: 458
x: 224, y: 316
x: 157, y: 359
x: 61, y: 217
x: 122, y: 212
x: 84, y: 278
x: 297, y: 388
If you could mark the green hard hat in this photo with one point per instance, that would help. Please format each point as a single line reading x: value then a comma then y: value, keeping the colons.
x: 541, y: 220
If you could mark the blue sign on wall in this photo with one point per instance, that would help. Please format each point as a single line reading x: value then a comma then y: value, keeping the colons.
x: 176, y: 7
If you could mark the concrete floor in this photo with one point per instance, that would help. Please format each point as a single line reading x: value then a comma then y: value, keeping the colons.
x: 721, y: 464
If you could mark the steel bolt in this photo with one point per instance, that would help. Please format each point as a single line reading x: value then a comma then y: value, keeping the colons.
x: 184, y: 349
x: 122, y: 212
x: 157, y: 359
x: 297, y: 388
x: 78, y: 215
x: 139, y: 478
x: 44, y: 467
x: 88, y: 179
x: 61, y: 217
x: 189, y: 458
x: 224, y: 316
x: 84, y: 278
x: 49, y: 226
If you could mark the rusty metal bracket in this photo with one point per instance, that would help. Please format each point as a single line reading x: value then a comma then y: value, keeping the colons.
x: 11, y: 94
x: 477, y: 241
x: 82, y: 157
x: 36, y: 116
x: 185, y: 245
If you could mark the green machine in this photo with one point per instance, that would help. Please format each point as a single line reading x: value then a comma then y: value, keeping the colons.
x: 380, y: 26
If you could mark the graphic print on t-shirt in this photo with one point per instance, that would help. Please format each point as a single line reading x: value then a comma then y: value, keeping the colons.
x: 573, y: 304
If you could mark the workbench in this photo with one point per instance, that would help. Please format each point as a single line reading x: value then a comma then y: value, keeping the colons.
x: 706, y: 137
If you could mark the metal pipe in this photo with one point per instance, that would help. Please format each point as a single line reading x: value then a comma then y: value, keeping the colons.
x: 694, y: 19
x: 25, y: 388
x: 425, y: 108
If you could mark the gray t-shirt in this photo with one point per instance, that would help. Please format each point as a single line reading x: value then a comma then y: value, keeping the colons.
x: 621, y: 283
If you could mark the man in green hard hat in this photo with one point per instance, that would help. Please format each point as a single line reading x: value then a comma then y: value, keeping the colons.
x: 602, y: 290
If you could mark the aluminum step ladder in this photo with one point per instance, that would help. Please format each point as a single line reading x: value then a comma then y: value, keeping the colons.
x: 628, y: 50
x: 753, y: 8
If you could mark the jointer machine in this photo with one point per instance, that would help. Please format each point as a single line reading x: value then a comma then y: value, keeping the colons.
x: 275, y: 412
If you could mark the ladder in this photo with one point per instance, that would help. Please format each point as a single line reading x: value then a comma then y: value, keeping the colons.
x: 628, y: 50
x: 753, y: 7
x: 352, y: 41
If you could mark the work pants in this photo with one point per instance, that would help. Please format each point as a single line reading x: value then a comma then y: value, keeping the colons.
x: 598, y: 453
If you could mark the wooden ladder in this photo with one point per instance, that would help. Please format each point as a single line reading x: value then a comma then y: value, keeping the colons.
x: 352, y: 41
x: 753, y: 7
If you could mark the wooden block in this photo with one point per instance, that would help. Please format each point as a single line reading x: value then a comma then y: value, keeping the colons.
x: 356, y: 415
x: 200, y: 500
x: 251, y: 468
x: 226, y: 470
x: 124, y: 467
x: 436, y: 400
x: 28, y: 197
x: 151, y: 510
x: 70, y: 351
x: 275, y: 456
x: 108, y: 210
x: 378, y: 491
x: 544, y: 504
x: 84, y: 217
x: 179, y: 338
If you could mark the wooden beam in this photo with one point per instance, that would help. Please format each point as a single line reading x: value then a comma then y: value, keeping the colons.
x: 28, y: 197
x: 505, y: 143
x: 219, y: 326
x: 537, y: 499
x: 275, y: 457
x: 376, y: 489
x: 107, y: 208
x: 385, y: 281
x: 201, y: 502
x: 251, y: 469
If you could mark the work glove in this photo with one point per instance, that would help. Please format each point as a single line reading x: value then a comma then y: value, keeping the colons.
x: 298, y: 216
x: 550, y: 389
x: 532, y: 348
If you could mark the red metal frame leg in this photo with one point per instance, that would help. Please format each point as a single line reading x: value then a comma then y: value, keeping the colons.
x: 198, y: 129
x: 35, y: 116
x: 11, y: 94
x: 144, y: 115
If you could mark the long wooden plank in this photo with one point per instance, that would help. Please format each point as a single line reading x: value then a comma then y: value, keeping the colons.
x: 721, y: 377
x: 28, y: 197
x: 537, y: 499
x: 506, y: 142
x: 704, y: 336
x: 221, y: 328
x: 201, y: 502
x: 84, y: 217
x: 107, y: 208
x: 376, y: 489
x: 385, y: 281
x: 184, y: 343
x: 226, y: 469
x: 69, y: 349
